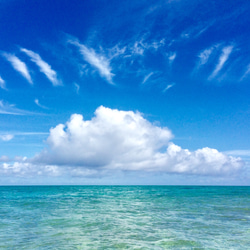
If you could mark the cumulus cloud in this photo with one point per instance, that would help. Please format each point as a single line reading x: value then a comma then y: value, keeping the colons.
x: 2, y: 84
x: 19, y: 66
x: 23, y: 168
x: 44, y: 67
x: 124, y: 140
x: 98, y: 61
x: 226, y: 51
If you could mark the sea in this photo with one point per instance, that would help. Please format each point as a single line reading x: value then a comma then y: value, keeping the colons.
x: 124, y: 217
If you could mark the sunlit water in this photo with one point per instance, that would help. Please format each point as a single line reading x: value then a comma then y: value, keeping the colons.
x: 124, y: 217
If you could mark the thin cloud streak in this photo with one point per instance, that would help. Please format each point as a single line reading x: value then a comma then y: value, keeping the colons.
x: 168, y: 87
x: 246, y: 72
x: 44, y: 67
x: 100, y: 62
x: 18, y: 65
x: 77, y: 87
x: 40, y: 105
x: 2, y: 83
x: 10, y: 109
x: 147, y: 77
x: 226, y: 51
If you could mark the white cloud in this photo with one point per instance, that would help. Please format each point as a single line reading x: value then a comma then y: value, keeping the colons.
x: 147, y: 77
x: 226, y: 51
x: 4, y: 158
x: 10, y: 109
x: 2, y: 84
x: 124, y: 140
x: 204, y: 56
x: 139, y: 47
x: 6, y: 137
x: 19, y: 66
x: 44, y: 67
x: 26, y: 169
x: 171, y: 57
x: 242, y: 153
x: 77, y: 87
x: 168, y: 87
x: 100, y: 62
x: 39, y: 105
x: 246, y: 73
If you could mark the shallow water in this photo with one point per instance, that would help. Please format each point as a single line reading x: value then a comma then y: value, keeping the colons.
x: 124, y: 217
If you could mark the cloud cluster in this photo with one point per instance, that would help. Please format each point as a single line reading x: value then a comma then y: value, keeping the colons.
x: 124, y: 140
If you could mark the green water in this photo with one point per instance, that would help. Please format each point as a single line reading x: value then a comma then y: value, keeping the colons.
x: 124, y: 217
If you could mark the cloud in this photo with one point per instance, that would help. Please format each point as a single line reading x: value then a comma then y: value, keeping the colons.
x: 44, y: 67
x: 6, y: 137
x: 139, y: 47
x: 98, y: 61
x: 39, y: 105
x: 147, y: 77
x: 18, y: 65
x: 2, y: 84
x: 10, y: 109
x: 4, y: 158
x: 226, y: 51
x: 204, y: 56
x: 171, y: 57
x: 124, y: 140
x: 168, y: 87
x: 246, y: 73
x: 23, y: 168
x: 241, y: 153
x: 77, y: 87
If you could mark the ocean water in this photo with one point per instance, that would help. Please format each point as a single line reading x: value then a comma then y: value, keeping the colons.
x: 124, y: 217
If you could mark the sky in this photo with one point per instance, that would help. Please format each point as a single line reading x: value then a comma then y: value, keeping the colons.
x: 124, y: 92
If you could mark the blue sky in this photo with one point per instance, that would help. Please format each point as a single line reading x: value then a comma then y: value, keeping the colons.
x: 131, y: 92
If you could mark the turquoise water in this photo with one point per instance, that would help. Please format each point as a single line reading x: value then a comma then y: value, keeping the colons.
x: 124, y: 217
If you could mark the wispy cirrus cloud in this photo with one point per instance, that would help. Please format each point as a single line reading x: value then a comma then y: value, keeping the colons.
x: 10, y: 109
x: 98, y: 61
x: 168, y: 87
x: 226, y: 51
x: 139, y: 47
x: 147, y: 77
x: 18, y: 65
x: 77, y: 87
x: 247, y: 72
x: 204, y: 56
x: 2, y: 83
x: 44, y: 67
x: 40, y: 105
